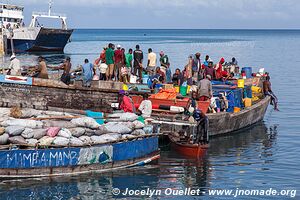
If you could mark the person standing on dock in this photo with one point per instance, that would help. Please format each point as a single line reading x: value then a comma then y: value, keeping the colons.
x: 110, y: 61
x: 196, y: 66
x: 268, y: 92
x: 151, y: 62
x: 205, y: 88
x: 42, y: 68
x: 87, y: 69
x: 165, y: 66
x: 188, y: 72
x: 14, y: 68
x: 138, y: 57
x: 128, y: 61
x: 66, y: 66
x: 119, y: 62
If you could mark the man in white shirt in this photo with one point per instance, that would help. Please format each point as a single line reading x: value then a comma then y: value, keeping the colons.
x: 145, y: 108
x: 14, y: 67
x: 151, y: 62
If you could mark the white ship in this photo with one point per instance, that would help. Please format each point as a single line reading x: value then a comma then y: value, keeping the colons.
x: 33, y: 38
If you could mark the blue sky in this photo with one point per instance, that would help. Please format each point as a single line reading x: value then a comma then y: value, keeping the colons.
x: 278, y: 14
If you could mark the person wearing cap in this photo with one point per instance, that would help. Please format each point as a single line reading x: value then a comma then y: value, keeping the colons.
x: 205, y: 88
x: 125, y: 102
x: 138, y: 57
x: 119, y: 62
x: 110, y: 61
x: 151, y: 62
x: 42, y: 68
x: 14, y: 66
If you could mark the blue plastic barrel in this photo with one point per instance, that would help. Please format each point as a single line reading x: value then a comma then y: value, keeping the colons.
x: 248, y: 71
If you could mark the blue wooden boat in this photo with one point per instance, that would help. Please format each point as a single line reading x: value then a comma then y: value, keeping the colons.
x: 32, y: 163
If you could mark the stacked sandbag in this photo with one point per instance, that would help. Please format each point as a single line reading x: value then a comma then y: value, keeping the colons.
x: 76, y: 132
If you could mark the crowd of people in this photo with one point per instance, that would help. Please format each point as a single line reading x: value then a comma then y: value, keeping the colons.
x: 115, y: 64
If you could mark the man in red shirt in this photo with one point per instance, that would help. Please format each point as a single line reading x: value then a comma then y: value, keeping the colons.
x: 119, y: 62
x: 125, y: 102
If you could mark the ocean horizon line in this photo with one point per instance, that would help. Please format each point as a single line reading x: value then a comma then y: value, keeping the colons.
x: 206, y: 29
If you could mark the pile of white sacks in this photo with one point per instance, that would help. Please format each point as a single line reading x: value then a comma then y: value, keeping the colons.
x: 80, y: 131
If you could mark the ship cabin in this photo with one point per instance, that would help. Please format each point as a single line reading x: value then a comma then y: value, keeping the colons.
x: 11, y: 16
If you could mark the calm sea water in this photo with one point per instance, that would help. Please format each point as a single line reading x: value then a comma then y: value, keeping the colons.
x: 262, y: 157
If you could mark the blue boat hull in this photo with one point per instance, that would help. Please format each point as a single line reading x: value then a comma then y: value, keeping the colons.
x: 47, y: 40
x: 81, y: 160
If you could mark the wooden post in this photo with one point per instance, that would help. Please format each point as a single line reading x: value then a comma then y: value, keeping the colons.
x: 2, y: 43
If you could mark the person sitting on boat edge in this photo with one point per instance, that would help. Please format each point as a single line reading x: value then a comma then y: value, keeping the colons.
x: 87, y: 69
x: 14, y: 66
x: 145, y: 108
x: 268, y: 92
x: 205, y: 88
x: 125, y: 102
x: 41, y: 69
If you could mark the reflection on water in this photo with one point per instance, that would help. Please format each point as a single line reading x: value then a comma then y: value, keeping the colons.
x: 229, y: 158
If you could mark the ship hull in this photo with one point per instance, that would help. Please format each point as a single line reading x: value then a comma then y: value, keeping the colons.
x: 46, y: 40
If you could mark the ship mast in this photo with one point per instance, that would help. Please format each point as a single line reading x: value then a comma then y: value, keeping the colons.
x: 50, y: 6
x: 36, y: 15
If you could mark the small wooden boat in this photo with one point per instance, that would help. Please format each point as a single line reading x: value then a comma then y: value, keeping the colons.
x: 33, y: 163
x: 219, y: 123
x: 187, y: 149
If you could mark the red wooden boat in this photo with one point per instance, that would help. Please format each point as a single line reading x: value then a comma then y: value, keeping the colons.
x: 187, y: 149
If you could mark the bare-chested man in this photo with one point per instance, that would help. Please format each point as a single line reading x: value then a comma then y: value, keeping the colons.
x: 268, y: 92
x: 42, y: 68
